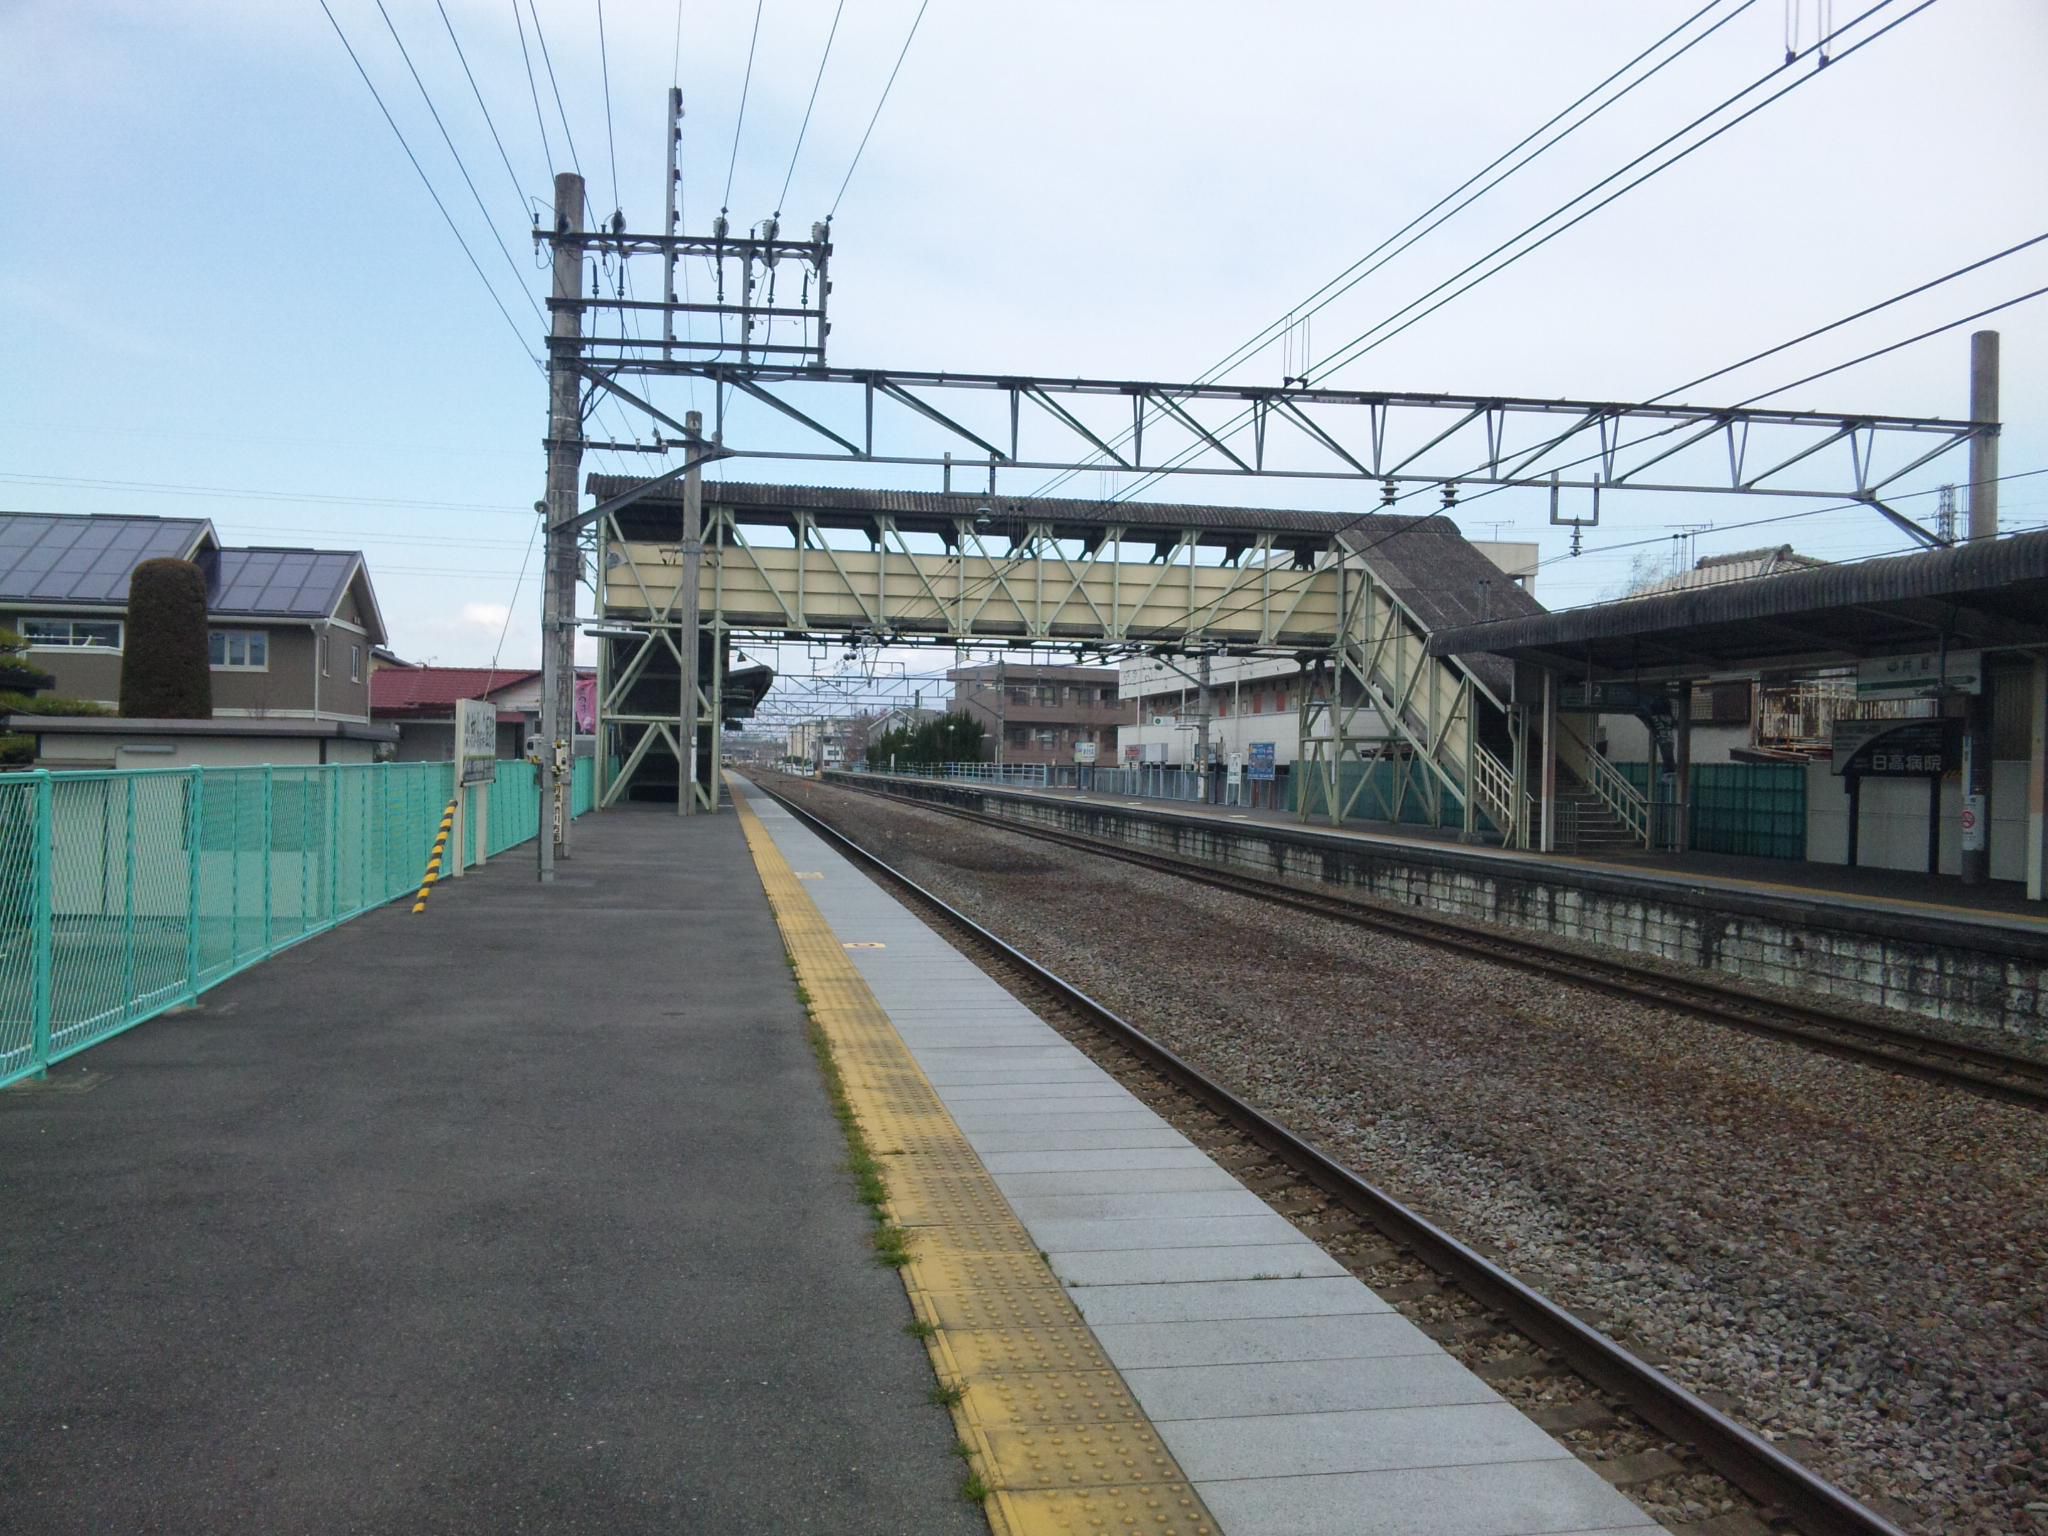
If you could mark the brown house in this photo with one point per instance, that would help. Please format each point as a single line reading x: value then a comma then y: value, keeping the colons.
x: 1040, y: 714
x: 291, y: 629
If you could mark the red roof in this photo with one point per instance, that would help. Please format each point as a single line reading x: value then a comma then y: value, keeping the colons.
x: 434, y: 690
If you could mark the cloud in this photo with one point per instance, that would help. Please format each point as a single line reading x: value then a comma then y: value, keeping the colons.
x: 490, y: 616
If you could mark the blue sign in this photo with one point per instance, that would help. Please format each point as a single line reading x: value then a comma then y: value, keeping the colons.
x: 1262, y: 762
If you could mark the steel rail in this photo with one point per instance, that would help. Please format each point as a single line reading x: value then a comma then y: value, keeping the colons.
x: 1983, y: 1070
x: 1745, y: 1458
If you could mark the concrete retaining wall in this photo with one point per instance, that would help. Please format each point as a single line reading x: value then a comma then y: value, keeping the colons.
x: 1987, y: 978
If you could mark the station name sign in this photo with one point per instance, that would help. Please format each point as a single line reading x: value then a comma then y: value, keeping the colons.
x: 1898, y: 749
x: 1923, y: 675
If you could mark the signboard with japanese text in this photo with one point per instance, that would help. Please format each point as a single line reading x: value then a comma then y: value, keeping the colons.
x: 1236, y: 771
x: 1923, y: 675
x: 1084, y: 752
x: 1898, y: 749
x: 1261, y: 763
x: 476, y: 741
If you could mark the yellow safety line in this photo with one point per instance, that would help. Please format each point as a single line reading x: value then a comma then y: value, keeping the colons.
x: 1057, y: 1437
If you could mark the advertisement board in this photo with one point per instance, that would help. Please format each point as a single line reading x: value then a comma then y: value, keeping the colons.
x: 476, y: 741
x: 1262, y: 762
x: 1898, y: 749
x: 1084, y: 752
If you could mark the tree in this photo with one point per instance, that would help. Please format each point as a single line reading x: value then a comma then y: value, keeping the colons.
x: 164, y: 671
x: 21, y: 693
x: 948, y: 739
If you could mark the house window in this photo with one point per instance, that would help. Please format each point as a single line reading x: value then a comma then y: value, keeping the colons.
x: 1280, y: 702
x: 1258, y: 702
x: 73, y: 634
x: 238, y: 650
x: 355, y: 663
x: 324, y: 671
x: 1222, y: 708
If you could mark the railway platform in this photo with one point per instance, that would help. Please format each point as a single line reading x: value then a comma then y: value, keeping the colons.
x: 1977, y: 959
x: 1135, y: 1335
x: 525, y: 1214
x: 1905, y: 893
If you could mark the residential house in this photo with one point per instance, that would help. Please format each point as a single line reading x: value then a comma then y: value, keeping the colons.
x: 291, y: 630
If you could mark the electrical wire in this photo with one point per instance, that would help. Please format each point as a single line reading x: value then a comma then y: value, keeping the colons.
x: 886, y: 89
x: 533, y: 87
x: 804, y: 127
x: 453, y: 229
x: 488, y: 123
x: 1345, y: 281
x: 746, y: 85
x: 604, y: 59
x: 1895, y: 346
x: 518, y: 275
x: 548, y: 60
x: 1359, y: 345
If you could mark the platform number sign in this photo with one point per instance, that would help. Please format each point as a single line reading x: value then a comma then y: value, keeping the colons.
x: 1261, y: 764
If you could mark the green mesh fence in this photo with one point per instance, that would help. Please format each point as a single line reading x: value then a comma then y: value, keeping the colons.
x: 123, y: 894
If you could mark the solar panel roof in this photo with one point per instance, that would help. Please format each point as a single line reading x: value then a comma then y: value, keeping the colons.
x: 290, y: 583
x: 54, y: 558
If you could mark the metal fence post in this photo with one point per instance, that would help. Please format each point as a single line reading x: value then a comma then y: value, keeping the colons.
x: 45, y: 936
x: 269, y: 854
x: 195, y: 844
x: 128, y: 925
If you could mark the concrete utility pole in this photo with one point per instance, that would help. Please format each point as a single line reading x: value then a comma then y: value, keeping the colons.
x: 1002, y: 710
x: 693, y: 567
x: 559, y: 565
x: 1974, y: 862
x: 1984, y: 446
x: 1202, y: 724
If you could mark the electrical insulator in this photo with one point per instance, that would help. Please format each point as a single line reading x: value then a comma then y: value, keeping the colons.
x: 719, y: 226
x: 820, y: 233
x: 1450, y: 494
x: 770, y: 227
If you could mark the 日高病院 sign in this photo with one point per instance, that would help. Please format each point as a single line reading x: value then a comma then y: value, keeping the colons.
x: 1897, y: 749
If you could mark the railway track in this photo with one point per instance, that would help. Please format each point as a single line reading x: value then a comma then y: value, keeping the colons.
x: 1783, y: 1489
x: 1978, y: 1069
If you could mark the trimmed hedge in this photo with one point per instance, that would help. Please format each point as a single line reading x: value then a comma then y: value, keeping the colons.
x: 164, y: 671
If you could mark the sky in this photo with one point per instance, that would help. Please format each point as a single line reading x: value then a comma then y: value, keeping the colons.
x: 229, y: 294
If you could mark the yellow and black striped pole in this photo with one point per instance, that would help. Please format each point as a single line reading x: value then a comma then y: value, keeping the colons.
x: 434, y: 863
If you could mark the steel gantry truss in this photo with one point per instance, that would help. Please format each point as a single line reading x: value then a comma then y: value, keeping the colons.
x: 929, y: 419
x: 1263, y: 587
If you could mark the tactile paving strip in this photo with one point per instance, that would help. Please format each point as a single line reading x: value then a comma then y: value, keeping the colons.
x: 1058, y: 1438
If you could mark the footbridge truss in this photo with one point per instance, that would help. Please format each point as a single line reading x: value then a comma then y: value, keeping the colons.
x: 1354, y: 600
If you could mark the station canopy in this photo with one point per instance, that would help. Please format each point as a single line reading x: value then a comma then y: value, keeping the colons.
x: 1988, y: 595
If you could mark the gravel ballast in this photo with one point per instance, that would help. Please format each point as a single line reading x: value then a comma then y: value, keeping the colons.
x: 1847, y: 1260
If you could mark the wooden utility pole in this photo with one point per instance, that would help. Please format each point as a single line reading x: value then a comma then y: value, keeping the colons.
x: 559, y: 565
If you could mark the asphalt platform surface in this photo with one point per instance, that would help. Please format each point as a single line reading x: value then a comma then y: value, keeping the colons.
x: 523, y: 1215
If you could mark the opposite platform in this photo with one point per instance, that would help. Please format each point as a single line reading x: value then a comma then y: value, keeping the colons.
x: 1296, y: 1400
x: 527, y: 1214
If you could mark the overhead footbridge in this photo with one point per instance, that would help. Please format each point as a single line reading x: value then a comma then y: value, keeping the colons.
x: 1354, y: 598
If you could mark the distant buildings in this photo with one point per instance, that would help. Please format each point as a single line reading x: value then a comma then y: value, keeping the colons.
x: 1041, y: 714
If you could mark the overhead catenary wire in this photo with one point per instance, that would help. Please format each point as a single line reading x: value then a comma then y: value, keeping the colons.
x: 889, y: 86
x: 1348, y: 353
x: 518, y: 194
x: 740, y: 122
x: 604, y: 60
x: 548, y: 60
x: 517, y: 334
x: 804, y: 127
x: 533, y: 88
x: 1352, y: 275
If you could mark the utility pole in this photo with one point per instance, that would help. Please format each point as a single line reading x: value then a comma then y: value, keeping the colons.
x: 693, y: 567
x: 559, y: 566
x: 668, y: 260
x: 1974, y: 861
x: 1202, y: 724
x: 1002, y: 710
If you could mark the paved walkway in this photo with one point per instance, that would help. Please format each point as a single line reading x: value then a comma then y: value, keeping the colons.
x: 524, y: 1215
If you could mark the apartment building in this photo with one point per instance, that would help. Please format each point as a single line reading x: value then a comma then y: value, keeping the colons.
x: 1043, y: 714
